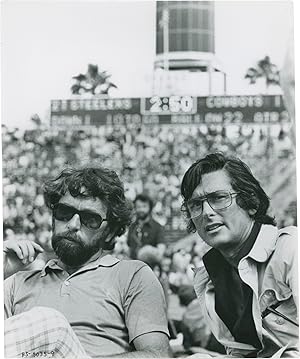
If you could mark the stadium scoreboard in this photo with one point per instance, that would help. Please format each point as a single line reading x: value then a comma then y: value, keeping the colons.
x: 169, y: 105
x: 223, y: 110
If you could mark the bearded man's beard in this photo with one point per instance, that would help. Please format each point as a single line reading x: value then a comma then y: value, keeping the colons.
x: 71, y: 250
x: 142, y: 215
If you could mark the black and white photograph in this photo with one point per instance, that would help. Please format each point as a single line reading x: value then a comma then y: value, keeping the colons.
x: 149, y: 200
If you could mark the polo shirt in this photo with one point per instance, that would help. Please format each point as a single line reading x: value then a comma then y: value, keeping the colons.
x: 108, y: 303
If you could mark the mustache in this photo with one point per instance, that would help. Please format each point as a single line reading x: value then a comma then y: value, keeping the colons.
x: 68, y: 235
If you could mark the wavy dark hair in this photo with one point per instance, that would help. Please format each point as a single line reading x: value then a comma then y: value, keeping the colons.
x: 251, y: 195
x: 98, y: 182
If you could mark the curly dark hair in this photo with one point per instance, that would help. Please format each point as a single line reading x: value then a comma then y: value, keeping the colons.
x: 98, y: 182
x: 144, y: 198
x: 251, y: 195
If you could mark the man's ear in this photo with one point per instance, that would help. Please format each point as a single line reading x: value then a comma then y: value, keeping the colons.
x: 109, y: 240
x: 110, y: 236
x: 109, y: 243
x: 252, y: 212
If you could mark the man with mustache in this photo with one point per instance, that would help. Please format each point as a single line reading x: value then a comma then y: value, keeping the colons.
x: 144, y: 230
x: 85, y: 303
x: 248, y: 285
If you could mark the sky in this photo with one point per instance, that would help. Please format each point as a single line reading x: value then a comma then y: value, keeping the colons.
x: 45, y: 43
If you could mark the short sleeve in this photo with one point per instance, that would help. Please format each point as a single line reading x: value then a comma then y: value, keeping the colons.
x: 9, y: 286
x: 145, y: 306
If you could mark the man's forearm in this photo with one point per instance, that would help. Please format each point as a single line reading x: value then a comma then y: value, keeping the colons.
x: 142, y: 354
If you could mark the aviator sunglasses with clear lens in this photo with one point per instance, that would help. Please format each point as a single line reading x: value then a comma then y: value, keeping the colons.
x: 65, y: 213
x: 217, y: 200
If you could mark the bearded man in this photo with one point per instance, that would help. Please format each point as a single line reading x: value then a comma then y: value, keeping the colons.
x: 144, y: 230
x: 86, y: 303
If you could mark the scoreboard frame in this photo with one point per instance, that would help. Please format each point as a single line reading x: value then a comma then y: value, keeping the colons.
x: 221, y: 110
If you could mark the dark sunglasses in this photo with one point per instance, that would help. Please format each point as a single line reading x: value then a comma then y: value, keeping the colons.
x: 65, y: 213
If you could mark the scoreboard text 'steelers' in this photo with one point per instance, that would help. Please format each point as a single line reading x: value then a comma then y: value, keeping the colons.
x: 223, y: 110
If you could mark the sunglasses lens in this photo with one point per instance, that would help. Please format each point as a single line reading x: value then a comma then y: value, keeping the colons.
x: 63, y: 213
x: 92, y: 221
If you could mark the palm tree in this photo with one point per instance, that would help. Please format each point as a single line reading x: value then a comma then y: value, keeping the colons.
x: 36, y: 119
x: 269, y: 71
x: 264, y: 69
x: 93, y: 82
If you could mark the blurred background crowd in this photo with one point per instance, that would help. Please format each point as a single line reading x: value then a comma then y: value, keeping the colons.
x: 149, y: 160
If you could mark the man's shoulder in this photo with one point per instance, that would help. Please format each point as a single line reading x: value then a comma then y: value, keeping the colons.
x: 291, y: 231
x: 129, y: 271
x: 29, y: 274
x: 287, y: 242
x: 275, y: 242
x: 285, y: 250
x: 130, y: 265
x: 23, y: 276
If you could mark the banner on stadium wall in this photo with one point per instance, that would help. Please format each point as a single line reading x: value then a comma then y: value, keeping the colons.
x: 223, y: 110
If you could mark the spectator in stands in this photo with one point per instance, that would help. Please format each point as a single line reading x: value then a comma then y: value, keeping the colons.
x: 248, y: 284
x: 145, y: 230
x: 164, y: 155
x: 85, y: 303
x: 166, y: 263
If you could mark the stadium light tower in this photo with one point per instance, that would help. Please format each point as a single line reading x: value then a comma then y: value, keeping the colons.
x: 185, y: 49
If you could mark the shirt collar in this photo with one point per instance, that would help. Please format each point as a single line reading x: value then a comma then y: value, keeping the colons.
x: 51, y: 264
x: 265, y: 243
x: 262, y: 248
x: 105, y: 261
x: 248, y: 244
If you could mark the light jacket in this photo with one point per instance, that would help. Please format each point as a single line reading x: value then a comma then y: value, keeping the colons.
x: 270, y: 269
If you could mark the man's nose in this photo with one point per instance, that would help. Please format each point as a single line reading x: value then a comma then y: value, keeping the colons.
x: 74, y: 223
x: 206, y: 209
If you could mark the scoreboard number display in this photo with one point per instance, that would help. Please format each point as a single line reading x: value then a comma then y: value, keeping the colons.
x: 168, y: 110
x: 169, y: 105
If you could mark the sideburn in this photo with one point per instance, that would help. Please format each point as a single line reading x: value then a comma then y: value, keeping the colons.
x: 109, y: 238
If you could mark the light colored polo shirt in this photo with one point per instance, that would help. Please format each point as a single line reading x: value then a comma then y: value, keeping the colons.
x: 108, y: 303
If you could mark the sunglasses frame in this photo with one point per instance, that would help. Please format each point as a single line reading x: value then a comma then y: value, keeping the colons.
x: 80, y: 213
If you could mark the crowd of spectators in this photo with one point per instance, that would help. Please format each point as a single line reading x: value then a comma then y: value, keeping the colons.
x: 149, y: 159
